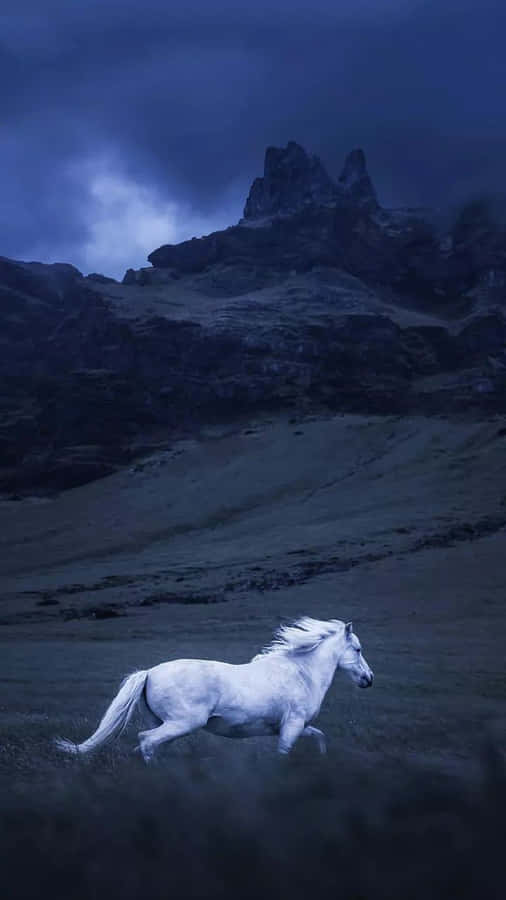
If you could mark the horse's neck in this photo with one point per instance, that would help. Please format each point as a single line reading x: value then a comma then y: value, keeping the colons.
x: 320, y: 665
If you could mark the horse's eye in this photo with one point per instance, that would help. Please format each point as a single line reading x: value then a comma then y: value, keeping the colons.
x: 358, y: 649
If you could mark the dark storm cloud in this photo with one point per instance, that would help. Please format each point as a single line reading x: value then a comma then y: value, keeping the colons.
x: 125, y: 125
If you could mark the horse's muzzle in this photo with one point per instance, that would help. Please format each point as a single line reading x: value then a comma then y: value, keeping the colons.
x: 366, y: 680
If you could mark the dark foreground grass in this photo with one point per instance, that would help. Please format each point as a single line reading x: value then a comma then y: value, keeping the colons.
x: 291, y: 828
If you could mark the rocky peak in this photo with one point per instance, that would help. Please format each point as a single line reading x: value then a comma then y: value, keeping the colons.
x: 355, y: 181
x: 292, y: 180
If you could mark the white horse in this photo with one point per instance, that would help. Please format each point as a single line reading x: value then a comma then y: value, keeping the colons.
x: 279, y: 692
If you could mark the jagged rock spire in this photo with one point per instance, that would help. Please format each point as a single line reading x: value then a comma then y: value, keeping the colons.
x: 292, y: 180
x: 355, y: 182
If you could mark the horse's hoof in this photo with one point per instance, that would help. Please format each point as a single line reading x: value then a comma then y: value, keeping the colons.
x: 146, y: 752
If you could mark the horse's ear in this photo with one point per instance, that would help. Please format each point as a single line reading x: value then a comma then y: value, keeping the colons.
x: 348, y: 629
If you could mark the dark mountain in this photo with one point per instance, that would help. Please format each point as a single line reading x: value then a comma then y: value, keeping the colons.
x: 318, y: 299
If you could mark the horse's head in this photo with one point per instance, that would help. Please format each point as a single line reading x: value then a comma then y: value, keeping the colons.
x: 352, y: 660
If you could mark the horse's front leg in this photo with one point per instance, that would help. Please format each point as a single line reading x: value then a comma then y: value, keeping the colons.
x: 290, y: 730
x: 309, y: 731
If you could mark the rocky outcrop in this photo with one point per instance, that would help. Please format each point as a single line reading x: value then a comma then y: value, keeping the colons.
x: 101, y: 279
x: 299, y: 242
x: 292, y: 180
x: 355, y: 183
x: 297, y: 218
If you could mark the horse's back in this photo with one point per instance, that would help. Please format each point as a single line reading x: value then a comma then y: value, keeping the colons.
x: 182, y: 683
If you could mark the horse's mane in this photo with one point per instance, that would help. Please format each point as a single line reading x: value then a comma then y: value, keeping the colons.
x: 300, y: 636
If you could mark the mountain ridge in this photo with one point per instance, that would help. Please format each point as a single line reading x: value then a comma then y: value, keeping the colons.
x: 318, y: 300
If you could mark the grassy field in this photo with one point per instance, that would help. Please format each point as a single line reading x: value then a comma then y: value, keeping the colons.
x: 395, y: 524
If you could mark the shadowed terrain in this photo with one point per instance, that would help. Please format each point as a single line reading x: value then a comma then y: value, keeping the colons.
x: 92, y: 832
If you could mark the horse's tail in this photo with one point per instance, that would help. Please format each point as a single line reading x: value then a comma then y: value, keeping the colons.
x: 115, y: 718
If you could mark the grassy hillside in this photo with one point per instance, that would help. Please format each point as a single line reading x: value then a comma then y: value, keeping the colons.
x: 200, y: 550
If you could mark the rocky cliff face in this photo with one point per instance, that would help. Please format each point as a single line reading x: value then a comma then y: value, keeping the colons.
x: 318, y: 300
x: 292, y: 181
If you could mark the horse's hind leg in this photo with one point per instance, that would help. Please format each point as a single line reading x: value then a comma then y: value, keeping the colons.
x: 151, y: 720
x: 167, y: 731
